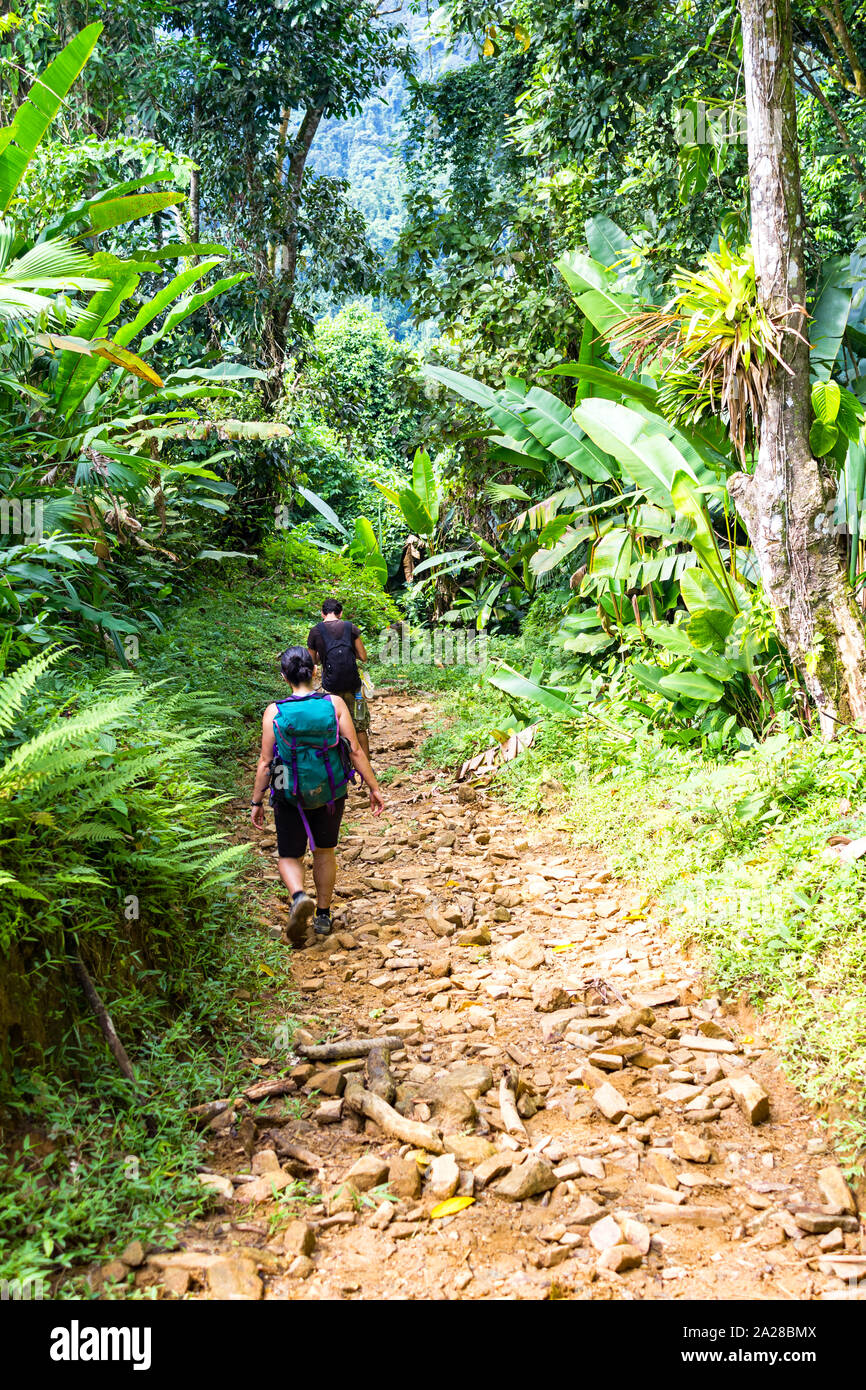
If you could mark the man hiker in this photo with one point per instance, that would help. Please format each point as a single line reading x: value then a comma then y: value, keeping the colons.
x: 336, y: 645
x: 308, y: 745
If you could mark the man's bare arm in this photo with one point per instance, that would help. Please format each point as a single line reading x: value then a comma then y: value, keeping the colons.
x: 360, y: 649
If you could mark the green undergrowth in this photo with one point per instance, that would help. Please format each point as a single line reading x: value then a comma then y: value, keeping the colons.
x: 472, y: 711
x: 734, y: 851
x: 96, y: 1163
x: 229, y: 636
x: 118, y: 847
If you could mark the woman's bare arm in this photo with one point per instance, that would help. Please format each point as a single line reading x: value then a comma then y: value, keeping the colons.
x: 360, y: 761
x: 263, y: 770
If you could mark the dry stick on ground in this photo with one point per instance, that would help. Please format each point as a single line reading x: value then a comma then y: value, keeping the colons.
x: 100, y: 1012
x: 279, y: 1086
x: 347, y: 1047
x: 391, y: 1122
x: 299, y: 1154
x: 508, y: 1108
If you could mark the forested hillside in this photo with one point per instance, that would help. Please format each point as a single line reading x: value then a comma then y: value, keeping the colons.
x: 536, y: 334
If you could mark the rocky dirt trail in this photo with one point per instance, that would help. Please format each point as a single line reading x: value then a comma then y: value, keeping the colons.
x: 551, y: 1055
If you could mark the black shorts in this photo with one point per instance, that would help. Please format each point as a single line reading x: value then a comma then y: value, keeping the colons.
x: 291, y: 831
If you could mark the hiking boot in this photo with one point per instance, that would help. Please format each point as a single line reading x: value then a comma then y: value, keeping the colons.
x: 322, y: 924
x: 302, y: 910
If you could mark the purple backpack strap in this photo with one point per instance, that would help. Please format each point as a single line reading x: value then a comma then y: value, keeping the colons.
x: 306, y: 824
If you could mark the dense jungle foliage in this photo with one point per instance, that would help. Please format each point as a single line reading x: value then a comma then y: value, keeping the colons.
x: 463, y: 316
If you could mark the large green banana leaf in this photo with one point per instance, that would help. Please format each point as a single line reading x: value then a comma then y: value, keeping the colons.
x: 830, y: 314
x: 77, y: 374
x: 499, y: 406
x: 504, y: 678
x: 418, y: 519
x: 650, y: 460
x: 550, y: 421
x: 163, y: 298
x: 189, y: 305
x: 424, y: 482
x: 19, y: 141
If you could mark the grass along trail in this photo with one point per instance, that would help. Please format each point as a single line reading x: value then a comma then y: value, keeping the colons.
x: 639, y: 1164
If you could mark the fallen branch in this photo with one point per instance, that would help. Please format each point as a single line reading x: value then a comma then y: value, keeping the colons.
x: 203, y: 1114
x: 280, y: 1086
x: 347, y: 1047
x: 391, y: 1122
x: 508, y: 1109
x: 101, y: 1014
x: 300, y: 1154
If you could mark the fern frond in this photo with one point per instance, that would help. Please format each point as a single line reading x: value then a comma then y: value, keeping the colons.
x: 98, y: 833
x: 14, y: 689
x: 19, y: 889
x: 229, y: 856
x: 96, y: 786
x: 41, y: 753
x: 38, y: 779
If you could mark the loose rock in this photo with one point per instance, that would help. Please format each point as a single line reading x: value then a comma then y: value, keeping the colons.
x: 834, y: 1189
x: 524, y: 951
x: 691, y: 1147
x: 234, y: 1279
x: 365, y: 1173
x: 619, y: 1258
x: 528, y: 1179
x: 443, y: 1177
x: 404, y: 1179
x: 751, y: 1098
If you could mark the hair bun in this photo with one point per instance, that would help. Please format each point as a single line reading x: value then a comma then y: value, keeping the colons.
x: 296, y: 665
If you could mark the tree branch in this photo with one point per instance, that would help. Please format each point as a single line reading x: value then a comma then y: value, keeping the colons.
x: 836, y: 19
x: 842, y: 130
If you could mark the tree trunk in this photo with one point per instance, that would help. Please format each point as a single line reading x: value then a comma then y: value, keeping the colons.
x: 284, y: 297
x: 294, y: 181
x: 195, y: 204
x: 786, y: 505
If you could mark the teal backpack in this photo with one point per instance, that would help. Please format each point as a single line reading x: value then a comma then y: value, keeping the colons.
x: 310, y: 766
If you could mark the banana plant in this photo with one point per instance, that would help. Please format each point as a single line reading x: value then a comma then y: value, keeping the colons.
x: 365, y: 550
x: 419, y: 504
x: 91, y: 428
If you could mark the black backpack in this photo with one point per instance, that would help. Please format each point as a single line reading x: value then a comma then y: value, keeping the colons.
x: 339, y: 665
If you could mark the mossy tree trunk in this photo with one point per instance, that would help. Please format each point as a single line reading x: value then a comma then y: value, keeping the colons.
x: 787, y: 505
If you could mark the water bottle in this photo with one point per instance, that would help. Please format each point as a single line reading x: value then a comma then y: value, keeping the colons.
x: 359, y: 704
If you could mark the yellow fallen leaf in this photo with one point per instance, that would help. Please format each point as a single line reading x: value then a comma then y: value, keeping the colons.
x: 421, y: 1157
x: 266, y: 970
x: 567, y: 946
x: 746, y: 1039
x: 450, y: 1206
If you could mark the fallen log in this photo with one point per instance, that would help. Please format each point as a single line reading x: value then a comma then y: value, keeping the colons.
x: 280, y: 1086
x: 203, y: 1114
x: 508, y: 1109
x: 347, y: 1047
x: 412, y: 1132
x: 378, y: 1076
x: 287, y: 1149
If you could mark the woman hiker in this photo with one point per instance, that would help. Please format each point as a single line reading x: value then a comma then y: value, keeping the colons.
x: 302, y: 738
